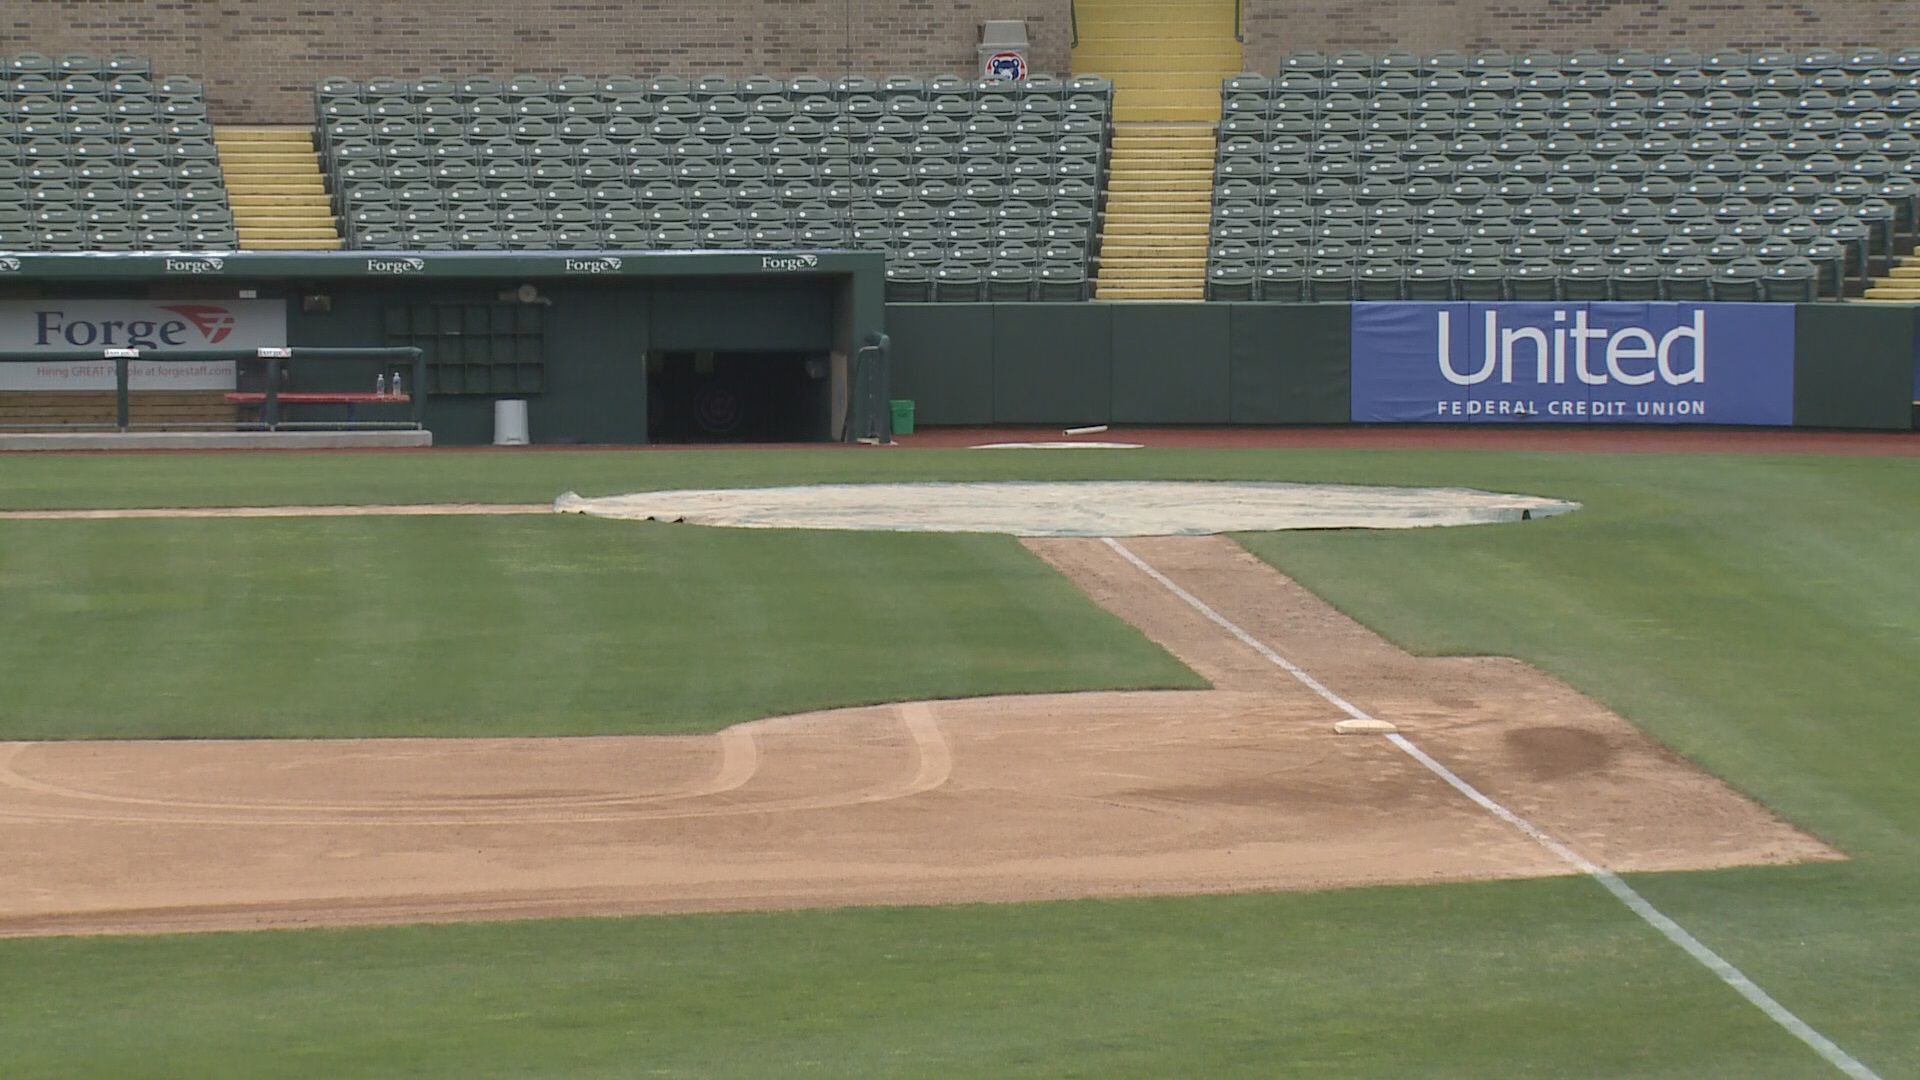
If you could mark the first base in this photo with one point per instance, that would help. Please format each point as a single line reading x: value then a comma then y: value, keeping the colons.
x: 1364, y: 727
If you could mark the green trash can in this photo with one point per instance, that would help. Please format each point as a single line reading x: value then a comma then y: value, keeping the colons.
x: 902, y: 417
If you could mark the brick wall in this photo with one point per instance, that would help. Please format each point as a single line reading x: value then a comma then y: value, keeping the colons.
x: 260, y: 58
x: 1276, y: 27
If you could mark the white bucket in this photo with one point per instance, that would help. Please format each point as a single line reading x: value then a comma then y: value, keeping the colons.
x: 510, y: 423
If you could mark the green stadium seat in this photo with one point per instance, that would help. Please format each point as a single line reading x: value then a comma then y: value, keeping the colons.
x: 908, y: 284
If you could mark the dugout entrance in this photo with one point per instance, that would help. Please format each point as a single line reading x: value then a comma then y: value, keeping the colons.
x: 703, y: 396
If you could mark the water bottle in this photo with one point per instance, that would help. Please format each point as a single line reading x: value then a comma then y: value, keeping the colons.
x: 380, y: 385
x: 396, y: 384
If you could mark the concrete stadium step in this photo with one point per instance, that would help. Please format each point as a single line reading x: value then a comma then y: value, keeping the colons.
x: 1908, y: 294
x: 1155, y: 245
x: 265, y: 141
x: 1168, y: 232
x: 1141, y: 9
x: 1174, y: 225
x: 1171, y: 189
x: 265, y: 131
x: 1166, y: 61
x: 270, y: 147
x: 265, y: 149
x: 1180, y: 270
x: 291, y: 215
x: 280, y: 202
x: 1160, y: 183
x: 277, y: 185
x: 276, y: 189
x: 1149, y: 162
x: 1906, y: 270
x: 1161, y: 234
x: 1157, y: 242
x: 1146, y: 31
x: 1159, y: 189
x: 1149, y: 222
x: 1146, y: 179
x: 277, y: 219
x: 335, y: 244
x: 1147, y: 292
x: 1150, y: 281
x: 1166, y: 112
x: 1176, y: 144
x: 1185, y: 271
x: 1125, y: 205
x: 1197, y: 209
x: 255, y: 169
x: 1133, y: 273
x: 1177, y: 134
x: 1205, y: 97
x: 1102, y: 57
x: 247, y: 162
x: 1205, y: 79
x: 251, y: 231
x: 1132, y: 248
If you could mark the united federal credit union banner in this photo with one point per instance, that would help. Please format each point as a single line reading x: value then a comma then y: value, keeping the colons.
x: 150, y: 326
x: 1573, y: 363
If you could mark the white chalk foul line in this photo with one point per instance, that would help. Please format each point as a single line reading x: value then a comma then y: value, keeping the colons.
x: 1608, y: 880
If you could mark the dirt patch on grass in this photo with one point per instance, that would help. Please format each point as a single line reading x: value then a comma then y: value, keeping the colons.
x: 1015, y: 798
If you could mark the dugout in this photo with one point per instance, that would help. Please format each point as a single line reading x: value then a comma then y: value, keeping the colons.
x: 605, y: 347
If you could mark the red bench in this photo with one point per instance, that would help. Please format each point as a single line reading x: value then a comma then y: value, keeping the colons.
x: 351, y: 399
x: 292, y: 397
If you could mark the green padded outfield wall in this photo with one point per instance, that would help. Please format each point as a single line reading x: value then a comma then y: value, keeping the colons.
x: 1262, y: 363
x: 1853, y: 366
x: 1291, y: 363
x: 1170, y: 364
x: 943, y: 361
x: 1144, y: 363
x: 1052, y: 363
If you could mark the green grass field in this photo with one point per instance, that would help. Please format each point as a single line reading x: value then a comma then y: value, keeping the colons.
x: 332, y: 627
x: 1759, y: 614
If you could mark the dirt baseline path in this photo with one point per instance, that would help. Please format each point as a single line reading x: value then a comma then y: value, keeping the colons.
x: 995, y: 799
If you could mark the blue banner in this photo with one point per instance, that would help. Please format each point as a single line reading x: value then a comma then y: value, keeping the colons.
x: 1573, y: 363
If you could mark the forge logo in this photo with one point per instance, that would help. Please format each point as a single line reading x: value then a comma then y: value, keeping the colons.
x: 789, y: 262
x: 202, y: 264
x: 605, y: 264
x: 71, y: 328
x: 396, y: 266
x: 213, y: 322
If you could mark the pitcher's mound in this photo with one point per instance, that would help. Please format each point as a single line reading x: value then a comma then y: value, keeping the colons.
x: 1082, y: 508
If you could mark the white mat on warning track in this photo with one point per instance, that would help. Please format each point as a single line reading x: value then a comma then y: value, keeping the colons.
x: 1080, y: 508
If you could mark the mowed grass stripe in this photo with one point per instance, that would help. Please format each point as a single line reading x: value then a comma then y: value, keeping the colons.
x: 490, y: 626
x: 1441, y: 982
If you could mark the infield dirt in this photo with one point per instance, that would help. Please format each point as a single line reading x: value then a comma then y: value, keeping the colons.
x: 1237, y: 788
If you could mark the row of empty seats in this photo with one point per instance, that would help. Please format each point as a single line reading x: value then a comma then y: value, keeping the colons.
x: 104, y: 155
x: 1733, y: 176
x: 970, y: 188
x: 1861, y: 59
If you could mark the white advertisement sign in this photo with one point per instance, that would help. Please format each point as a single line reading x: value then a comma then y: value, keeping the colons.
x: 148, y: 327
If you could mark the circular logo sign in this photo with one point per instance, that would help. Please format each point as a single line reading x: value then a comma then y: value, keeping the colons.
x: 1007, y: 66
